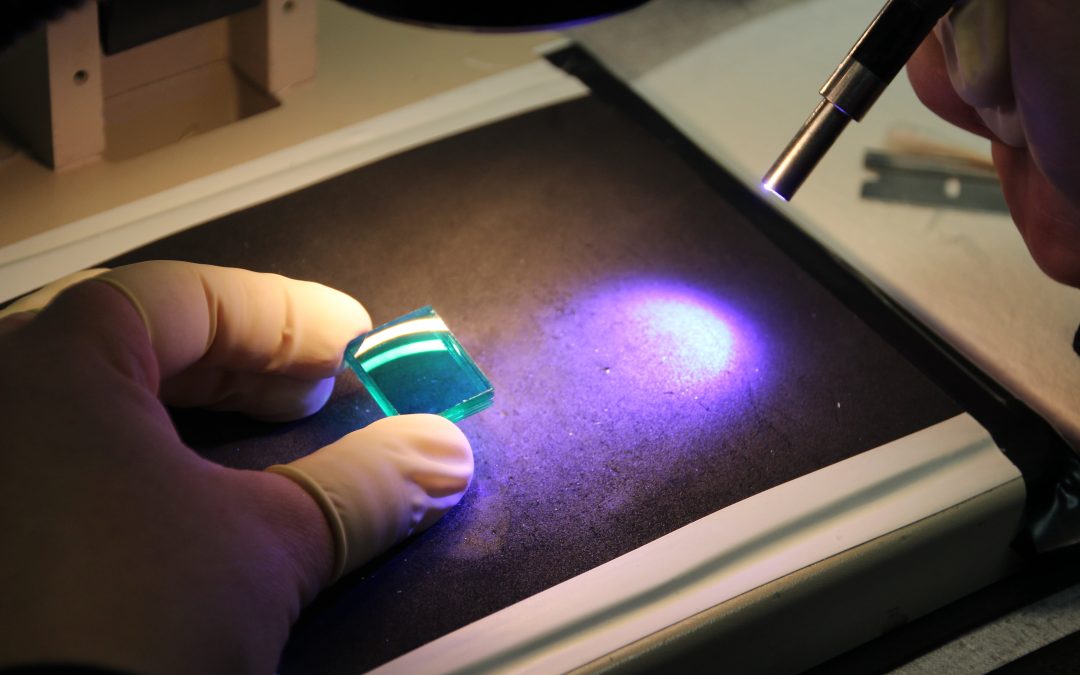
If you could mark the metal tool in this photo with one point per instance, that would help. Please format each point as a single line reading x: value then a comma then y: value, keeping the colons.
x: 884, y: 48
x: 933, y: 180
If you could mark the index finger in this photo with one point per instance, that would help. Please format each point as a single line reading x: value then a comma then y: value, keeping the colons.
x: 238, y: 319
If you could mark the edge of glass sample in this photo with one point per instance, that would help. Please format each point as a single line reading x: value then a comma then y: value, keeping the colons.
x: 414, y: 364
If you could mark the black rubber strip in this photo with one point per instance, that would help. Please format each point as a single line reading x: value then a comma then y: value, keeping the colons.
x: 1040, y: 578
x: 1061, y: 656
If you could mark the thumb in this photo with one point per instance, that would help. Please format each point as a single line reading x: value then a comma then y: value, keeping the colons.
x: 36, y: 301
x: 385, y: 482
x: 975, y: 43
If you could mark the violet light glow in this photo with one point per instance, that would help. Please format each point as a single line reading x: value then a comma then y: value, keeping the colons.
x: 627, y: 354
x: 669, y: 336
x: 691, y: 341
x: 630, y: 382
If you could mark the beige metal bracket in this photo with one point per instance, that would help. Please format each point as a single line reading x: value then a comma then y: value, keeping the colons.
x: 69, y: 104
x: 53, y: 101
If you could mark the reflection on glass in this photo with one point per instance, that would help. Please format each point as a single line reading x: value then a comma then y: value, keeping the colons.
x: 414, y: 364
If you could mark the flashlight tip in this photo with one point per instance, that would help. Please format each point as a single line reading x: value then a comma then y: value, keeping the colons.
x: 770, y: 187
x: 804, y: 151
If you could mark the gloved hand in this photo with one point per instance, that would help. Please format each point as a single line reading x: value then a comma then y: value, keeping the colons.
x: 123, y: 548
x: 1009, y: 70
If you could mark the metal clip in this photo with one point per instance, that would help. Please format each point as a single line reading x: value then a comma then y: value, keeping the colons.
x: 933, y: 180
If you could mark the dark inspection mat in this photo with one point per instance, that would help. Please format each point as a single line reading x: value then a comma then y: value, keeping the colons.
x: 655, y: 358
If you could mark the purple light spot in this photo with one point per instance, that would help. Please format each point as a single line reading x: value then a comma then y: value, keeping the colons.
x: 659, y: 338
x: 691, y: 341
x: 630, y: 379
x: 640, y: 374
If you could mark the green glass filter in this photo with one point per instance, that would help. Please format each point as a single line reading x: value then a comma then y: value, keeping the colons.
x: 414, y: 364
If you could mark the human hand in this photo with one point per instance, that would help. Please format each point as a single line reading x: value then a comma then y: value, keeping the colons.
x: 125, y: 549
x: 1009, y: 70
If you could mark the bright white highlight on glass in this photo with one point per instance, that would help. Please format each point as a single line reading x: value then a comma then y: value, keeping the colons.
x: 422, y: 347
x: 425, y: 325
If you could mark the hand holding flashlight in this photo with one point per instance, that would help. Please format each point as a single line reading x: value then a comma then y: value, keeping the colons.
x: 1009, y: 70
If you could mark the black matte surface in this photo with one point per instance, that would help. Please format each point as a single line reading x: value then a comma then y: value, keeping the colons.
x: 129, y: 23
x: 517, y: 234
x: 20, y: 18
x: 498, y: 16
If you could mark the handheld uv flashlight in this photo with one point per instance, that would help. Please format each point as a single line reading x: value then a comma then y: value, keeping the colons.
x: 885, y: 46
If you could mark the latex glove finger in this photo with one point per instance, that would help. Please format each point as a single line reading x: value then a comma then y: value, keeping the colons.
x: 975, y: 42
x: 238, y: 321
x: 269, y: 397
x: 23, y: 310
x: 386, y: 481
x: 37, y: 300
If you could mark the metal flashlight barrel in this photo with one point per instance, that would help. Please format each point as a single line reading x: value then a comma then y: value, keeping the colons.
x: 869, y: 66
